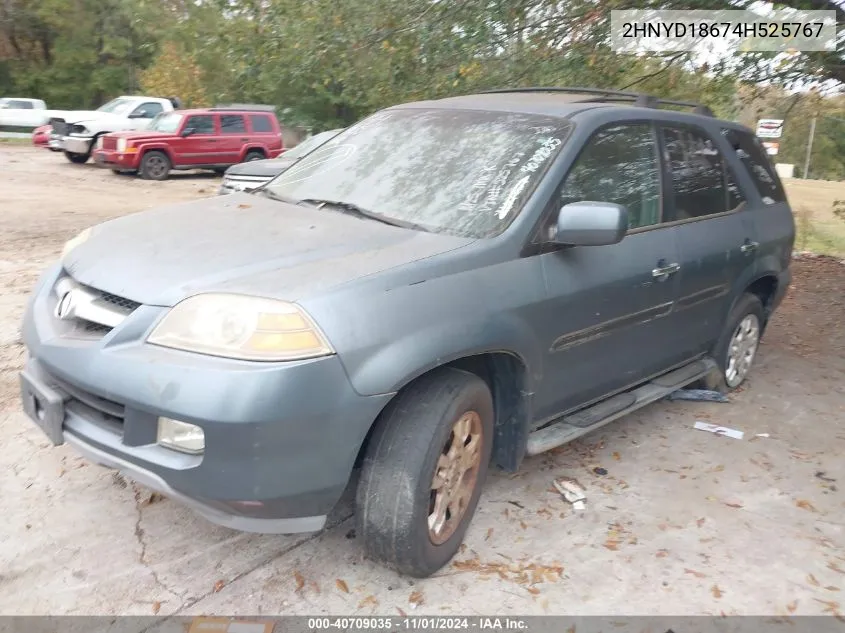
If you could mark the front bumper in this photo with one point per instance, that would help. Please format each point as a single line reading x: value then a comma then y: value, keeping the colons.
x: 240, y: 184
x: 281, y: 438
x: 77, y: 144
x: 112, y: 159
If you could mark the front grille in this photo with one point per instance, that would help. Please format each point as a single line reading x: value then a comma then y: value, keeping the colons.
x: 59, y: 127
x: 109, y: 142
x: 106, y: 414
x: 77, y: 129
x: 121, y: 302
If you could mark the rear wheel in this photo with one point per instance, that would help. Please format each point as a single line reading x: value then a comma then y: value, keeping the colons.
x: 77, y: 159
x: 254, y: 155
x: 155, y: 165
x: 424, y: 470
x: 737, y: 346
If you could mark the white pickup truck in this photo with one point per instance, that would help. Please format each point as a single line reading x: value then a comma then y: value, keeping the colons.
x: 21, y: 112
x: 76, y: 132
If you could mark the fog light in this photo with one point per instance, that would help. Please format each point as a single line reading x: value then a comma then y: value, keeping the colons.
x: 181, y: 436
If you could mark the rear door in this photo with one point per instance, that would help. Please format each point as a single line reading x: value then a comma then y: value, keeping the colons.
x: 716, y: 234
x: 264, y: 132
x: 606, y: 314
x: 233, y: 137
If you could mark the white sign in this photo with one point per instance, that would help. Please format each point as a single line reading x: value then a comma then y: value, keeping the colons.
x: 771, y: 147
x: 770, y: 128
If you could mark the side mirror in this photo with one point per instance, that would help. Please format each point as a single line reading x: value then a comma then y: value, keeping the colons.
x: 188, y: 131
x: 141, y: 114
x: 591, y: 224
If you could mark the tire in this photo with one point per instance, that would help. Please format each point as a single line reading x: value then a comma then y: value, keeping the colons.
x: 78, y: 159
x: 734, y: 363
x: 155, y: 165
x: 395, y: 498
x: 254, y: 155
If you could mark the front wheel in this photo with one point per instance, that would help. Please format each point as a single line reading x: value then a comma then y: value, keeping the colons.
x: 737, y: 346
x: 78, y: 159
x: 423, y: 472
x: 155, y: 165
x: 253, y: 155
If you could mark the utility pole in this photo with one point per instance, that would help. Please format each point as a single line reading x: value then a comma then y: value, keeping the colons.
x: 809, y: 147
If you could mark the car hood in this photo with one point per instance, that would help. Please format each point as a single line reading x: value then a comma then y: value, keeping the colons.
x: 82, y: 116
x: 269, y: 167
x: 141, y: 135
x: 245, y: 244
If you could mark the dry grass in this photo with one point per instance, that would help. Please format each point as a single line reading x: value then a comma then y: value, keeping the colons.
x: 819, y: 230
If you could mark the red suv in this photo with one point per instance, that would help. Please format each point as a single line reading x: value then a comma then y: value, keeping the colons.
x: 210, y: 138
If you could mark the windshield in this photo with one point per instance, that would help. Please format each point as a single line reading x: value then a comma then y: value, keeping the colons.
x: 117, y: 106
x: 166, y: 122
x: 310, y: 143
x: 462, y: 172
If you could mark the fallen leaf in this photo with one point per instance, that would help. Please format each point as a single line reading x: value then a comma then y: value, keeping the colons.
x: 244, y: 206
x: 416, y: 598
x: 834, y: 567
x: 812, y: 580
x: 532, y: 590
x: 300, y: 580
x: 369, y: 600
x: 523, y: 525
x: 340, y: 584
x: 697, y: 574
x: 314, y: 587
x: 616, y: 456
x: 612, y: 545
x: 401, y: 612
x: 832, y: 588
x: 806, y: 505
x: 489, y: 534
x: 830, y: 604
x: 700, y: 522
x: 710, y: 498
x: 792, y: 606
x: 219, y: 585
x: 156, y: 606
x: 717, y: 593
x: 733, y: 505
x: 662, y: 553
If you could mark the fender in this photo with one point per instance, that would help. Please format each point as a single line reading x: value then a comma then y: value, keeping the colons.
x: 158, y: 146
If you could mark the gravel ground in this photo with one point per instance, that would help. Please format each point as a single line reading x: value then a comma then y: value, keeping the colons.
x: 684, y: 522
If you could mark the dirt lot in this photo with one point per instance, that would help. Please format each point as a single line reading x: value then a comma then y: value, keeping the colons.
x: 684, y: 522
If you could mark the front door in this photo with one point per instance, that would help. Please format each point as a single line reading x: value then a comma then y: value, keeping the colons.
x: 716, y: 234
x: 604, y: 319
x: 200, y: 147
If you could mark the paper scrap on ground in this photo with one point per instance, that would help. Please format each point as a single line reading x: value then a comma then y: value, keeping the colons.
x: 718, y: 430
x: 572, y: 491
x: 700, y: 395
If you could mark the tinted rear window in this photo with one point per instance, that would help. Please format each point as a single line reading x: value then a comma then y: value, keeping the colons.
x: 753, y: 156
x: 260, y: 123
x: 232, y: 124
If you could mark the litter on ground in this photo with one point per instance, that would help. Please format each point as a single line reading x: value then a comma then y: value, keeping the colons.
x: 718, y: 430
x: 572, y: 491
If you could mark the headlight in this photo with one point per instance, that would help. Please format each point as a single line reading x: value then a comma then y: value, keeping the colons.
x: 180, y: 436
x: 241, y: 327
x: 75, y: 241
x: 121, y: 145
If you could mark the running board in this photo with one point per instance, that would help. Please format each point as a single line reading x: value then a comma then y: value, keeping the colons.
x: 581, y: 422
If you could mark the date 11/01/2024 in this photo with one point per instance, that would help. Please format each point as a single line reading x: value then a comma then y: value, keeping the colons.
x: 420, y: 623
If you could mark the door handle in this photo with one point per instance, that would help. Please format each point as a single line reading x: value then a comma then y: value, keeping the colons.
x: 749, y: 246
x: 663, y: 270
x: 244, y: 140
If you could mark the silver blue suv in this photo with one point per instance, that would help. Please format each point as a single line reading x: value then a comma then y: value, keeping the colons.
x: 443, y: 286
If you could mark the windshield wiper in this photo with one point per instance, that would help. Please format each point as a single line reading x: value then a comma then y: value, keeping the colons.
x: 353, y: 209
x: 273, y: 196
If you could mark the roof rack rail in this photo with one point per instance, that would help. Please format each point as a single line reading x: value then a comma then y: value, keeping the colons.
x: 608, y: 94
x: 251, y: 107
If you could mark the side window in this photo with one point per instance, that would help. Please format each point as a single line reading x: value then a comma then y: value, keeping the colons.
x: 150, y: 110
x: 752, y: 155
x: 260, y: 123
x: 232, y: 124
x: 701, y: 183
x: 20, y: 105
x: 618, y: 164
x: 202, y: 124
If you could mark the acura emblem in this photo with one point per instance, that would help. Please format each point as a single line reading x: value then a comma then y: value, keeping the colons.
x: 66, y: 308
